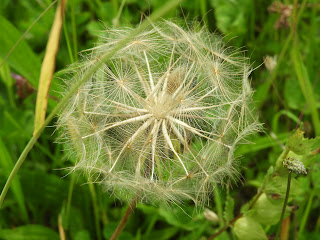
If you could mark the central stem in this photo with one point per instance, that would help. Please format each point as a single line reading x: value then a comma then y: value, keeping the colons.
x: 284, y: 206
x: 125, y: 218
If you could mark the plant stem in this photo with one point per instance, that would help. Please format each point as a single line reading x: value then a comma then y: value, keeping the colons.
x: 306, y: 214
x: 95, y: 206
x: 68, y: 207
x: 284, y: 205
x: 124, y: 219
x: 218, y: 203
x: 88, y: 73
x: 74, y: 31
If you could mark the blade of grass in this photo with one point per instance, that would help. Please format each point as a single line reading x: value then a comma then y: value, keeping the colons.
x: 261, y: 143
x: 6, y: 164
x: 65, y: 31
x: 69, y: 199
x: 8, y: 81
x: 306, y: 88
x: 307, y: 210
x: 48, y: 66
x: 275, y: 120
x: 262, y: 95
x: 96, y: 211
x: 24, y: 133
x: 74, y: 31
x: 116, y: 20
x: 204, y: 12
x: 219, y: 206
x: 103, y: 59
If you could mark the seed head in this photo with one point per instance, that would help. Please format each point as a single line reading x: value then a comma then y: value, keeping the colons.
x: 294, y: 165
x: 163, y: 117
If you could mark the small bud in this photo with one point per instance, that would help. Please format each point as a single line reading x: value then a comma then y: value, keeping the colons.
x: 270, y: 62
x: 211, y: 216
x: 294, y: 165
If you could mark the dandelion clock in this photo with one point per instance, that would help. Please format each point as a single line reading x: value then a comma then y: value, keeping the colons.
x: 162, y: 118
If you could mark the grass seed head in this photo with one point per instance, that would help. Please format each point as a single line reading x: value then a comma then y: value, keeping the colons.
x: 163, y: 117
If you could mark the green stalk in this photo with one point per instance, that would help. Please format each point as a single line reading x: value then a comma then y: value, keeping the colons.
x: 68, y: 207
x: 306, y: 87
x: 284, y: 205
x: 204, y: 13
x: 301, y: 70
x: 95, y: 210
x: 117, y: 18
x: 102, y: 60
x: 125, y: 219
x: 218, y: 202
x: 65, y: 31
x: 74, y: 31
x: 261, y: 96
x: 306, y: 214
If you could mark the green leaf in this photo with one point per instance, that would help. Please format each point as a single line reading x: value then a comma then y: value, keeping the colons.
x: 300, y: 145
x: 277, y: 185
x: 180, y: 218
x: 229, y: 209
x: 261, y: 143
x: 22, y: 59
x: 293, y: 95
x: 315, y: 176
x: 247, y: 228
x: 306, y: 87
x: 82, y: 235
x: 231, y: 16
x: 8, y: 81
x: 30, y: 232
x: 267, y: 211
x: 6, y: 164
x: 164, y: 234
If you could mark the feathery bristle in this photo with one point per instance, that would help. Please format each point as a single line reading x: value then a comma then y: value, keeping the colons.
x: 162, y: 119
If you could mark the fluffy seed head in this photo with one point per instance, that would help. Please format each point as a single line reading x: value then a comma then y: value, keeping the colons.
x: 163, y: 117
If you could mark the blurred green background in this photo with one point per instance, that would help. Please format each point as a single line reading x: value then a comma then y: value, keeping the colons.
x: 282, y: 40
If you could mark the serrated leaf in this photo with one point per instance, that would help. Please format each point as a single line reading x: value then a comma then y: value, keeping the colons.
x: 300, y: 145
x: 228, y: 213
